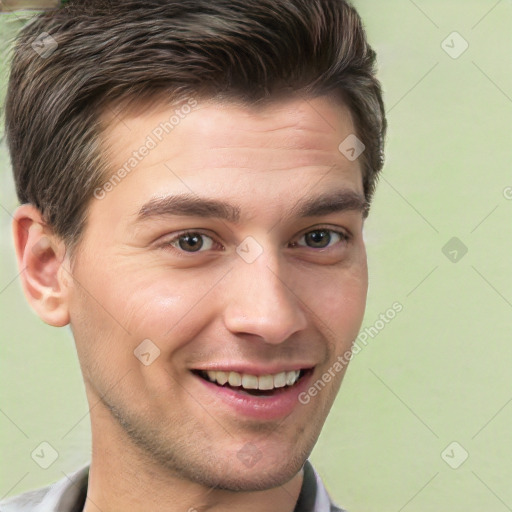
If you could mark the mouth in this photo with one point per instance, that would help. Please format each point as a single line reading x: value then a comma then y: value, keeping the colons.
x: 269, y: 385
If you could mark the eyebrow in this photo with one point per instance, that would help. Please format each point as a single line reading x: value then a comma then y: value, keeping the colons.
x: 194, y: 206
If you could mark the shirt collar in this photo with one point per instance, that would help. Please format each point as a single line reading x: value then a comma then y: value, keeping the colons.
x: 313, y: 495
x: 69, y: 493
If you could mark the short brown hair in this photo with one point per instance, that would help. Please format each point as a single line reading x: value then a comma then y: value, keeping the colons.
x: 134, y: 50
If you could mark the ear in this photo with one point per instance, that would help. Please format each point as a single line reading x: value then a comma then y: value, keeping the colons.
x: 42, y: 262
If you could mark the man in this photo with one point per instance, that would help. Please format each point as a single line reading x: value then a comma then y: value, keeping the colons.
x: 194, y: 178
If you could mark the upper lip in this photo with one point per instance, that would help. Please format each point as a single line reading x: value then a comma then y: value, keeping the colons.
x: 252, y: 369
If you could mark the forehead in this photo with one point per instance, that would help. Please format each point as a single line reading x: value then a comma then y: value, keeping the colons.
x: 298, y: 128
x: 228, y: 150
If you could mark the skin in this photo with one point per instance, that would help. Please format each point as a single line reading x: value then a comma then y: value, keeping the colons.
x: 160, y: 441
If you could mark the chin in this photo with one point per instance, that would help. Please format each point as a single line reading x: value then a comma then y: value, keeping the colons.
x: 259, y: 478
x: 234, y: 475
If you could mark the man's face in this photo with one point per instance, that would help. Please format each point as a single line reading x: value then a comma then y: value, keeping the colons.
x: 249, y: 297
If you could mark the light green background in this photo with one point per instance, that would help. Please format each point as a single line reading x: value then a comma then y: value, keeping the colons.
x: 441, y: 370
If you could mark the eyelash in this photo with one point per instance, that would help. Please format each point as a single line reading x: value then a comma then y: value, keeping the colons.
x: 168, y: 244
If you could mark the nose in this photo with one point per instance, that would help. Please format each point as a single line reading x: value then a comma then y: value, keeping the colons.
x: 262, y: 301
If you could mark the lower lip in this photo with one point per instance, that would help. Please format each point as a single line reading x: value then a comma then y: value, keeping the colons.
x: 268, y: 407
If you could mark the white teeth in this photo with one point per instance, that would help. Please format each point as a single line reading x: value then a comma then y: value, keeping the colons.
x: 291, y: 377
x: 280, y: 380
x: 249, y: 381
x: 222, y: 378
x: 235, y: 379
x: 264, y: 382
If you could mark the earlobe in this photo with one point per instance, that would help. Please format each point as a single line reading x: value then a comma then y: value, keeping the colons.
x: 41, y: 257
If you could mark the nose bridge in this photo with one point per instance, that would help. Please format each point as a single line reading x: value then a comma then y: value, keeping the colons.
x: 260, y: 301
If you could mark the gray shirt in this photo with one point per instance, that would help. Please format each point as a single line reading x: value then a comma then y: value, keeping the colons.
x: 68, y: 495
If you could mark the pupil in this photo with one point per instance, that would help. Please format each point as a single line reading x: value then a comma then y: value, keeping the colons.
x: 195, y: 239
x: 316, y: 238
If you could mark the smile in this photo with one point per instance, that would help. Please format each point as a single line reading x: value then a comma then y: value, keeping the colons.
x: 263, y: 397
x: 253, y: 382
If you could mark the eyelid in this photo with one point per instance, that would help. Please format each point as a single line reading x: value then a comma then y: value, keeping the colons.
x: 336, y: 229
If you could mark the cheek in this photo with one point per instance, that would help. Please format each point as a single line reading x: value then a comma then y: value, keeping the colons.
x: 112, y: 316
x: 170, y: 305
x: 339, y: 301
x: 128, y: 303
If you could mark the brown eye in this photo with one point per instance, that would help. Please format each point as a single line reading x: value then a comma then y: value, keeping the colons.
x: 191, y: 241
x: 322, y: 237
x: 318, y: 238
